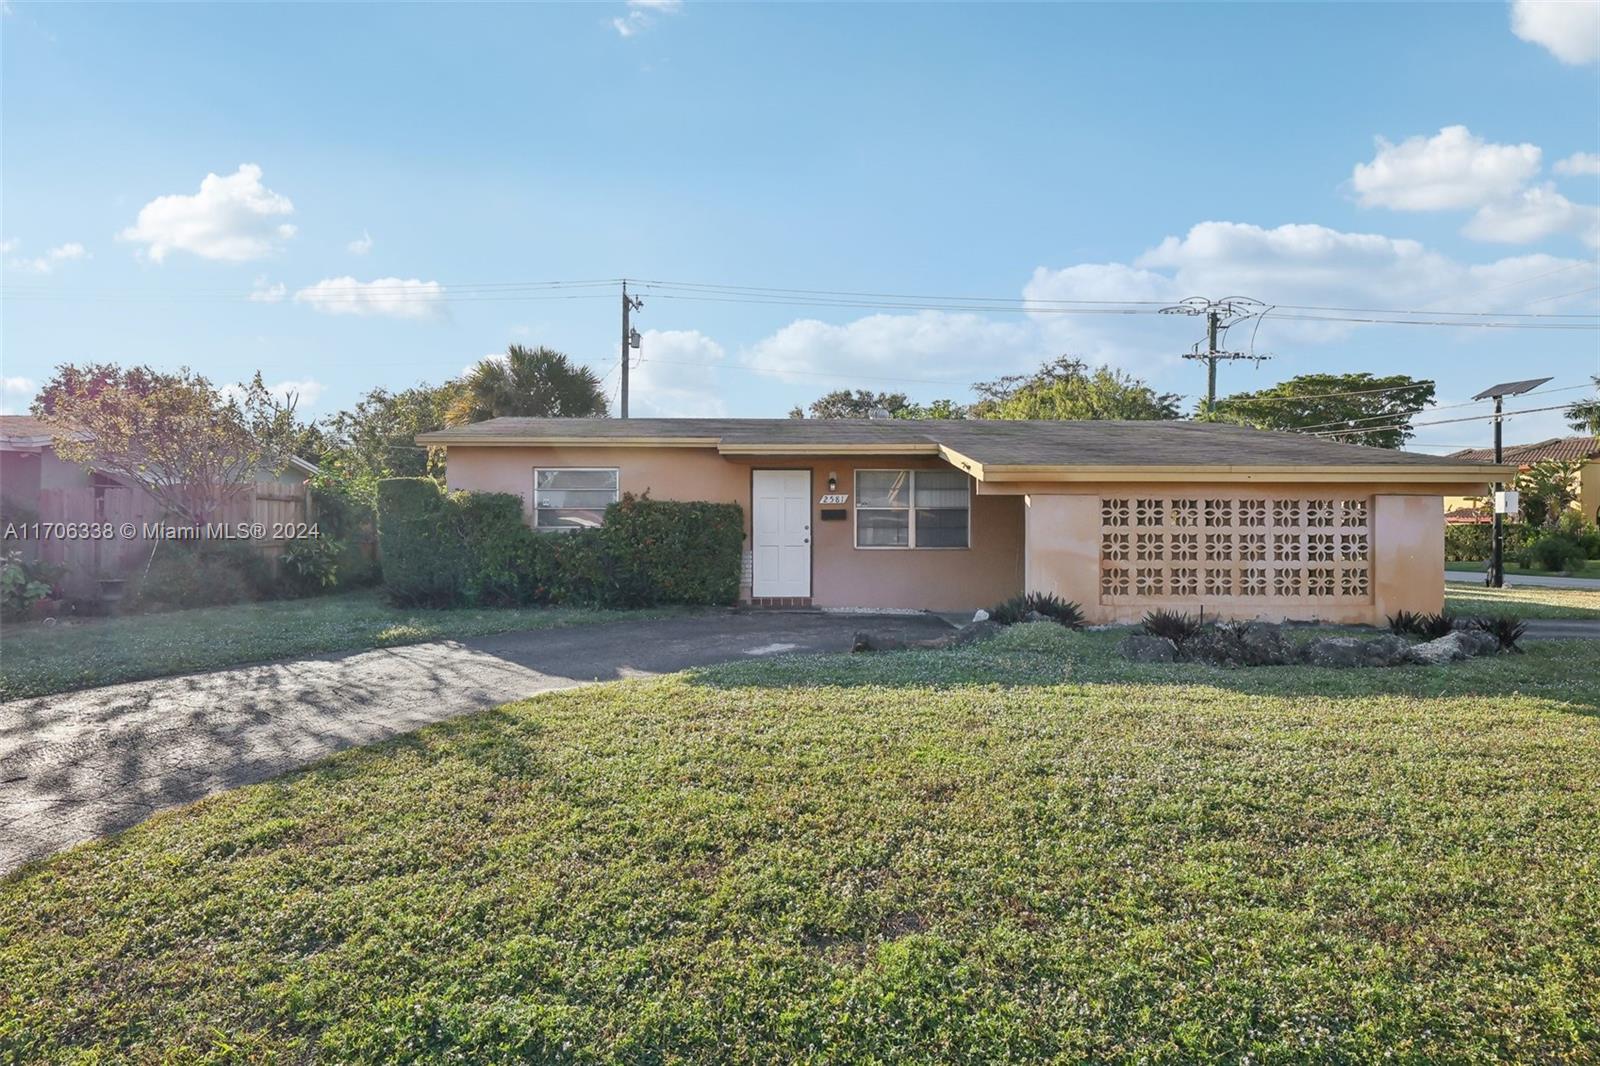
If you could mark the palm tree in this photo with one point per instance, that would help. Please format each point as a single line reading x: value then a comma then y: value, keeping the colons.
x: 1584, y: 416
x: 529, y: 382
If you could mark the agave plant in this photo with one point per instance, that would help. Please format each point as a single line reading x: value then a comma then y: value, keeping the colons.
x: 1174, y: 626
x: 1018, y: 608
x: 1506, y: 629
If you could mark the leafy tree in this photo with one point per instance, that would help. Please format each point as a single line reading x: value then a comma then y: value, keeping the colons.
x: 193, y: 447
x: 530, y: 383
x: 1356, y: 408
x: 933, y: 409
x: 842, y: 403
x: 1066, y: 388
x: 377, y: 439
x: 1584, y: 416
x: 1545, y: 491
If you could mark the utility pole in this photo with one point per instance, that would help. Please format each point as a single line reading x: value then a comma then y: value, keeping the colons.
x: 1220, y: 314
x: 1496, y: 577
x: 630, y: 338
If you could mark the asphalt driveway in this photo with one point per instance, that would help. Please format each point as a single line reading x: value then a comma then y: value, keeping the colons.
x: 83, y: 764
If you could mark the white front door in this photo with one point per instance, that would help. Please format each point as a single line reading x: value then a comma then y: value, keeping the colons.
x: 781, y: 523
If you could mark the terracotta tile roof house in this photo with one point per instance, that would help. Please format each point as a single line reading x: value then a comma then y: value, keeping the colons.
x: 1122, y: 517
x: 1585, y: 450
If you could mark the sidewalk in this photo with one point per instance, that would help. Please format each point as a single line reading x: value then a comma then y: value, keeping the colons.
x: 1473, y: 577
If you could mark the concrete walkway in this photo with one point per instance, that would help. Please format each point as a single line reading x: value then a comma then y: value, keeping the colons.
x: 83, y: 764
x: 1472, y: 577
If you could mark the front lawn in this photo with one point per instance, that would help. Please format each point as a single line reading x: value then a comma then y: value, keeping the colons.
x: 1024, y: 851
x: 39, y: 658
x: 1522, y: 600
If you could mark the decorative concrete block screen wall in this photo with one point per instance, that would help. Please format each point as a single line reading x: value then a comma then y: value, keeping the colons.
x: 1283, y: 551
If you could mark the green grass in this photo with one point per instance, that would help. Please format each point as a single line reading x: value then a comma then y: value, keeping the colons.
x: 39, y: 659
x: 1591, y: 568
x: 1523, y: 601
x: 1026, y: 851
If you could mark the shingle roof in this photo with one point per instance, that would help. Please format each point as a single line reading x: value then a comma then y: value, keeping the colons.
x: 23, y: 427
x: 987, y: 442
x: 1563, y: 448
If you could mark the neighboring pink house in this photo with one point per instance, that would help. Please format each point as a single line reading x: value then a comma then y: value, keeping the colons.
x: 1122, y: 517
x: 37, y: 485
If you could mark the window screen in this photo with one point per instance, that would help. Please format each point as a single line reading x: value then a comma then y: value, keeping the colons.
x: 572, y: 497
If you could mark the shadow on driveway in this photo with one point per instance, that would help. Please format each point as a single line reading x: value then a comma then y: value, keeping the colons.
x: 83, y: 764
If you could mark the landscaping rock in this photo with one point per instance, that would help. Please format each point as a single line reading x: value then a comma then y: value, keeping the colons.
x: 970, y: 633
x: 1387, y: 650
x: 1035, y: 616
x: 1140, y: 648
x: 1264, y: 644
x: 1335, y: 651
x: 1478, y: 642
x: 980, y: 616
x: 1461, y: 644
x: 973, y: 632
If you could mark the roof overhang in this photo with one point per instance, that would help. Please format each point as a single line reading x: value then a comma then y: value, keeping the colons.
x: 1442, y: 473
x: 445, y: 437
x: 1420, y: 473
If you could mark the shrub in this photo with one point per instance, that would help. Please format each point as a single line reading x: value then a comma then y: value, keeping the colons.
x: 442, y: 549
x: 23, y: 584
x: 1053, y: 607
x: 184, y: 574
x: 1582, y: 531
x: 1468, y: 543
x: 1554, y: 551
x: 663, y: 551
x: 351, y: 523
x: 423, y: 556
x: 1504, y: 628
x: 1174, y: 626
x: 309, y: 565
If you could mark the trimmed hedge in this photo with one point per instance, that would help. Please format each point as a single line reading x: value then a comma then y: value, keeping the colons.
x: 443, y: 549
x: 423, y: 559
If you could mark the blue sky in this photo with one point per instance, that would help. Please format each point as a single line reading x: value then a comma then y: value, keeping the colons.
x: 379, y: 168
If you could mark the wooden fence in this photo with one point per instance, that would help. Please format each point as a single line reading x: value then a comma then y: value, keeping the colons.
x: 96, y: 565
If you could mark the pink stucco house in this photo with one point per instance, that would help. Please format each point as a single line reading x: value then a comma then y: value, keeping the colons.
x: 1122, y: 517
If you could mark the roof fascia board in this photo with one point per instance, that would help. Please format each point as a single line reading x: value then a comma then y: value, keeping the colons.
x: 919, y: 448
x: 458, y: 440
x: 1486, y: 472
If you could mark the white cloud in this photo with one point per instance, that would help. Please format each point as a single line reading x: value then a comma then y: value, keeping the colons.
x: 19, y: 387
x: 361, y: 245
x: 1292, y: 264
x: 231, y: 218
x: 932, y: 346
x: 392, y: 297
x: 9, y: 246
x: 1451, y: 170
x: 641, y: 15
x: 1535, y: 214
x: 305, y: 392
x: 675, y: 376
x: 1456, y: 171
x: 46, y: 263
x: 1569, y: 29
x: 264, y: 293
x: 1579, y: 165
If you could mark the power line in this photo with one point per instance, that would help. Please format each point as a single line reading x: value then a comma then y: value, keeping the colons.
x: 1440, y: 421
x: 1435, y: 407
